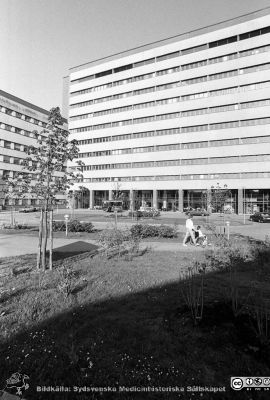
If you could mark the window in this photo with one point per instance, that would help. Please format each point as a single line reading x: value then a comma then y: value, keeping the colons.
x: 167, y: 56
x: 17, y: 146
x: 16, y: 161
x: 254, y: 33
x: 194, y: 65
x: 223, y: 160
x: 6, y: 159
x: 123, y: 68
x: 223, y: 75
x: 255, y: 68
x: 222, y: 42
x: 168, y: 147
x: 167, y: 86
x: 7, y: 144
x: 195, y: 128
x: 167, y: 163
x: 167, y: 71
x: 194, y: 49
x: 195, y: 161
x: 224, y: 125
x: 144, y: 62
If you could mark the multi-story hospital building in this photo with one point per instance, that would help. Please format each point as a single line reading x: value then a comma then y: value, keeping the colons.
x: 169, y: 120
x: 18, y: 120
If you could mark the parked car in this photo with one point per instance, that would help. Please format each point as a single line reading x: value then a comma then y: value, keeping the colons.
x: 28, y: 209
x: 198, y: 212
x: 260, y: 217
x: 188, y: 209
x: 147, y: 208
x: 97, y: 207
x: 117, y: 209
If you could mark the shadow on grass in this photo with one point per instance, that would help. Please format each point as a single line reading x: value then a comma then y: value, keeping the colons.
x: 144, y: 338
x: 73, y: 249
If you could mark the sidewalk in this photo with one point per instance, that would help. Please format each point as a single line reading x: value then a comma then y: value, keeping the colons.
x: 19, y: 244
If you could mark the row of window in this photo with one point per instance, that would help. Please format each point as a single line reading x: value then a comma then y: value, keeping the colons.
x: 158, y: 73
x: 12, y: 160
x: 182, y: 52
x: 161, y: 132
x: 197, y: 128
x: 179, y: 146
x: 171, y: 100
x: 167, y: 71
x: 14, y: 146
x: 238, y: 175
x: 138, y: 120
x: 206, y: 110
x: 26, y: 118
x: 189, y: 161
x: 192, y: 96
x: 19, y: 131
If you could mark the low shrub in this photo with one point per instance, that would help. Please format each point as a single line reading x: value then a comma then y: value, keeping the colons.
x: 230, y: 254
x: 73, y: 226
x: 17, y: 226
x: 144, y: 214
x: 146, y: 230
x: 110, y: 238
x: 167, y: 231
x: 65, y: 281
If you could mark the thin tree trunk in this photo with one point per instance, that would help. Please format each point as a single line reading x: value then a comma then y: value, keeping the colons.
x: 11, y: 216
x: 51, y: 240
x: 40, y: 239
x: 44, y: 244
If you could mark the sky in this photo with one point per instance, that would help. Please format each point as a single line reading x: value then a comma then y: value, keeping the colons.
x: 41, y: 39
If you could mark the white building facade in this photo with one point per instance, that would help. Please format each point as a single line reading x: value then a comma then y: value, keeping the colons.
x: 18, y: 120
x: 167, y: 121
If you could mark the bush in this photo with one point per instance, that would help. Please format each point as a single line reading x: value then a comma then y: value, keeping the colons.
x: 144, y: 214
x: 167, y: 231
x: 144, y: 231
x: 73, y: 226
x: 18, y: 226
x: 113, y: 238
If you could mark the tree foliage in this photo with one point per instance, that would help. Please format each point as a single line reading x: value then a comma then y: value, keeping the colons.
x: 218, y: 196
x: 44, y: 173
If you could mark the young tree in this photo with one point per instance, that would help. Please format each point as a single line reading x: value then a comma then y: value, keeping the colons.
x: 45, y: 174
x: 75, y: 196
x: 218, y: 196
x: 10, y: 192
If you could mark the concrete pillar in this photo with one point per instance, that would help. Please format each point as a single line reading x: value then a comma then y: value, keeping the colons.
x: 91, y: 199
x: 131, y: 200
x: 110, y: 195
x: 155, y: 202
x: 164, y: 200
x: 143, y: 199
x: 240, y: 201
x: 180, y: 200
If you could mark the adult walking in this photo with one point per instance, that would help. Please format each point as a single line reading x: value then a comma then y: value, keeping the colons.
x: 189, y: 230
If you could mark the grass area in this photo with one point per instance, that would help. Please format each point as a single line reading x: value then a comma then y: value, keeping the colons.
x: 126, y: 323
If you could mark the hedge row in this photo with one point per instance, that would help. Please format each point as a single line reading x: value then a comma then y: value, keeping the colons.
x: 145, y: 231
x: 144, y: 214
x: 73, y: 226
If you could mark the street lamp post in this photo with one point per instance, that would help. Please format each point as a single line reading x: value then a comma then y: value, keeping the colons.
x: 228, y: 229
x: 66, y: 220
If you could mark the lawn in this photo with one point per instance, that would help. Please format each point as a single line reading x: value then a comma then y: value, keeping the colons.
x: 125, y: 323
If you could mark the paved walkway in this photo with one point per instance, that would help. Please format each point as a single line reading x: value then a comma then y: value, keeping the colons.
x: 19, y: 244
